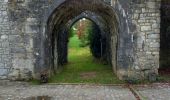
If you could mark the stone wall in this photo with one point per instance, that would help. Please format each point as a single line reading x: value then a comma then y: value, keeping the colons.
x: 5, y: 31
x: 23, y: 26
x: 146, y: 18
x: 142, y: 38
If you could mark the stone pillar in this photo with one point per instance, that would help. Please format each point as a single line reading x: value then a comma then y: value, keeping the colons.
x: 146, y: 17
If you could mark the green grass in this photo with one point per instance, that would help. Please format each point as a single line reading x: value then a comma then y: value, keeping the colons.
x: 35, y: 82
x: 164, y: 78
x: 83, y: 68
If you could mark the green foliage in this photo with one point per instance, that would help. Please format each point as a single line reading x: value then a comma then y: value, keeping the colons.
x: 83, y: 31
x: 89, y: 34
x: 72, y: 32
x: 85, y: 40
x: 74, y: 42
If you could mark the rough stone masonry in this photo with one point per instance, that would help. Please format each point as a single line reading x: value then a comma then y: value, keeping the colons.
x: 28, y: 47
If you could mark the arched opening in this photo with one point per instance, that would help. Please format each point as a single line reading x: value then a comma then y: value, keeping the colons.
x: 86, y: 33
x: 64, y: 16
x: 86, y: 55
x: 165, y: 38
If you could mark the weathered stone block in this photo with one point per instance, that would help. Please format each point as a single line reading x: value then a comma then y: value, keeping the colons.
x: 151, y: 5
x: 146, y: 28
x: 3, y: 71
x: 153, y: 36
x: 154, y: 45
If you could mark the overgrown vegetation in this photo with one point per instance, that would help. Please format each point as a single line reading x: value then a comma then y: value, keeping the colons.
x: 90, y: 35
x: 83, y: 28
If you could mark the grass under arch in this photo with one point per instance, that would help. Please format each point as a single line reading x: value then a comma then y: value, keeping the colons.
x: 83, y: 68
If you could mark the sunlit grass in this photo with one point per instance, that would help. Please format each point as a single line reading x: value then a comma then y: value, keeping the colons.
x: 83, y: 68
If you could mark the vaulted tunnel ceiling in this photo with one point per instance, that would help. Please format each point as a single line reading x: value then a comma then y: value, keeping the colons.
x: 72, y: 8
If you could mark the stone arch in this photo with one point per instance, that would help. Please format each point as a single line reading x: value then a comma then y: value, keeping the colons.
x: 27, y: 27
x: 91, y: 16
x: 58, y: 19
x: 100, y: 25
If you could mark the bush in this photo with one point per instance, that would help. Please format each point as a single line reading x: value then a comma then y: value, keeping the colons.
x: 72, y: 32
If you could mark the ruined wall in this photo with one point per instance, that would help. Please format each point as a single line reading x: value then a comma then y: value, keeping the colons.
x: 19, y: 27
x: 22, y: 33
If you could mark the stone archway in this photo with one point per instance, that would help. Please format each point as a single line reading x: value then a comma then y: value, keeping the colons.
x: 164, y: 68
x: 59, y: 18
x: 98, y: 20
x: 101, y: 26
x: 27, y: 27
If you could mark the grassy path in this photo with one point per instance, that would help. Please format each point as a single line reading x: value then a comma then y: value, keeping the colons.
x: 82, y: 68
